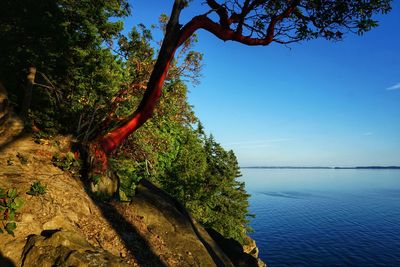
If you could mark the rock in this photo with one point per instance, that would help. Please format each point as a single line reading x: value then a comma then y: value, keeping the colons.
x: 27, y: 218
x: 152, y: 230
x: 236, y: 252
x: 58, y: 222
x: 65, y: 248
x: 171, y: 222
x: 250, y: 247
x: 105, y: 187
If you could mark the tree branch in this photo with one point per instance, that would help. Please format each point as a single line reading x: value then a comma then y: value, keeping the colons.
x: 222, y: 13
x: 285, y: 14
x: 227, y: 34
x: 203, y: 22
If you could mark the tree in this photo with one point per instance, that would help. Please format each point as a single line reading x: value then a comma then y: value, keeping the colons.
x: 252, y: 23
x: 203, y: 176
x: 85, y: 85
x: 64, y: 41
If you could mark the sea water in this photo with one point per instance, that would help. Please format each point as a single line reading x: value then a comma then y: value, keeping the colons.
x: 325, y: 217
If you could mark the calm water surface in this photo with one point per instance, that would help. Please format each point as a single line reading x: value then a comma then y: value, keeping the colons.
x: 325, y: 217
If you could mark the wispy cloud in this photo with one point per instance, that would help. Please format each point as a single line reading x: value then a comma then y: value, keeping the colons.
x: 394, y: 87
x: 367, y: 133
x: 258, y: 143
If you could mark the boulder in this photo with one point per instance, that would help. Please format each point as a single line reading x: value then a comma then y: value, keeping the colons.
x: 154, y: 229
x: 250, y: 247
x: 65, y: 248
x: 239, y: 256
x: 168, y: 219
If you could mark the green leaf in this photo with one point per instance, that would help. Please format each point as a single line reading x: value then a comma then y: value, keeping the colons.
x: 122, y: 196
x: 8, y: 202
x: 2, y: 193
x: 12, y: 193
x: 11, y: 215
x: 10, y: 227
x: 96, y: 178
x: 37, y: 189
x: 19, y: 202
x: 1, y: 231
x: 13, y: 206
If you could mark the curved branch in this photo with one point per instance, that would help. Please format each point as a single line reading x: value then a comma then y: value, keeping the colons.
x: 203, y: 22
x: 227, y: 34
x: 174, y: 38
x: 280, y: 17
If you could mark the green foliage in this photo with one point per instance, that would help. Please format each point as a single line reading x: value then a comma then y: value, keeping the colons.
x: 129, y: 174
x: 65, y: 40
x: 90, y: 77
x: 305, y: 19
x: 184, y: 178
x: 10, y: 202
x: 228, y: 198
x: 85, y: 88
x: 204, y: 177
x: 67, y: 162
x: 37, y: 137
x: 37, y: 189
x: 95, y: 178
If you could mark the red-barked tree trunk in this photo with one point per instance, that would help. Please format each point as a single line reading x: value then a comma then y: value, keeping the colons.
x: 175, y: 36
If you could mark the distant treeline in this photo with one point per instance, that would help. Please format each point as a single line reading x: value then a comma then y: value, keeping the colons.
x: 318, y: 167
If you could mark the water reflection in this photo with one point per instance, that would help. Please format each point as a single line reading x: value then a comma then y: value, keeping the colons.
x: 289, y: 194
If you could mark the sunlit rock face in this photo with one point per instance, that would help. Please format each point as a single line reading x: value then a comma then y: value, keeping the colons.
x: 65, y: 248
x: 67, y: 227
x: 246, y: 255
x: 181, y: 234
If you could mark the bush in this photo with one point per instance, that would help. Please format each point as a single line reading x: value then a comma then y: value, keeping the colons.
x: 129, y: 174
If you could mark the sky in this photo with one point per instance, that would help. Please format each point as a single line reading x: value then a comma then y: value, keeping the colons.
x: 316, y: 103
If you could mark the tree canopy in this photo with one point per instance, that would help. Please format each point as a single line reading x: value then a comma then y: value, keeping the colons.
x: 250, y: 22
x: 85, y: 86
x: 101, y: 86
x: 260, y: 22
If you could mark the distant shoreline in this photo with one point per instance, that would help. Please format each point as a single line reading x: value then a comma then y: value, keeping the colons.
x: 321, y: 167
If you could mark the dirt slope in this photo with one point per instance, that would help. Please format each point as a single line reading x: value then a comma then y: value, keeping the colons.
x: 66, y: 226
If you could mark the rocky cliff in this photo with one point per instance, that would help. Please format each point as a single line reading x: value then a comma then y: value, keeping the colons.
x: 66, y: 227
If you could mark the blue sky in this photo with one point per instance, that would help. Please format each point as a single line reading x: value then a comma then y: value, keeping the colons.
x: 313, y: 103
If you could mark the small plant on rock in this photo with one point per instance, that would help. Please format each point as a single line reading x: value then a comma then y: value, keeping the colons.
x: 10, y: 202
x: 37, y: 189
x: 67, y: 162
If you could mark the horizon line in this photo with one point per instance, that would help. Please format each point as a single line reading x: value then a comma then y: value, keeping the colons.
x: 322, y: 167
